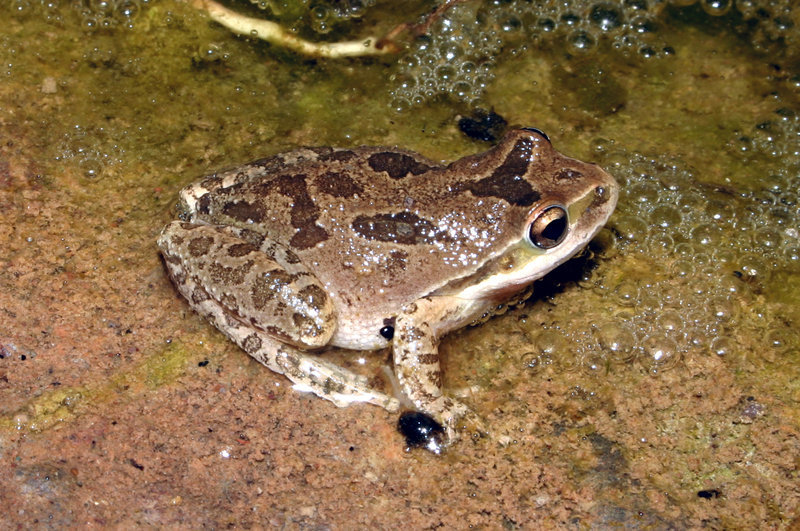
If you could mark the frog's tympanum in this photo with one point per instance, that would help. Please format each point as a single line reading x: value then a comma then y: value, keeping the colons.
x: 376, y: 247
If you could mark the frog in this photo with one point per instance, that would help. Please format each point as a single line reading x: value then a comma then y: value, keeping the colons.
x: 376, y: 247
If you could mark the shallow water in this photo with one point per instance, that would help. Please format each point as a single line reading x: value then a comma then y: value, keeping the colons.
x: 651, y: 382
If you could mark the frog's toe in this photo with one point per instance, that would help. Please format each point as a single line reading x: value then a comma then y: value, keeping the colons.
x: 470, y: 424
x: 459, y: 419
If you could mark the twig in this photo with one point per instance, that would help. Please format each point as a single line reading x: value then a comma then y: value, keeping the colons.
x: 276, y: 34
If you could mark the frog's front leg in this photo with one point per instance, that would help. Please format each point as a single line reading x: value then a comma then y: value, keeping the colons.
x: 265, y: 300
x: 417, y: 364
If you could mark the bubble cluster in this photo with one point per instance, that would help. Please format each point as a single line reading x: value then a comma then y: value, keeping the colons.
x: 92, y: 148
x: 106, y: 14
x: 457, y: 56
x: 691, y: 260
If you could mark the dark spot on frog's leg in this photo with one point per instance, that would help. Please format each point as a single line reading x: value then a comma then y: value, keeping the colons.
x: 200, y: 245
x: 243, y: 211
x: 436, y: 378
x: 290, y: 257
x: 396, y: 165
x: 230, y: 302
x: 199, y: 295
x: 428, y: 359
x: 314, y: 295
x: 251, y: 343
x: 305, y: 325
x: 331, y: 386
x: 230, y: 276
x: 267, y: 285
x: 338, y: 184
x: 203, y: 204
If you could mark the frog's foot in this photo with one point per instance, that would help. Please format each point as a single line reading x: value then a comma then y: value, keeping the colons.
x: 455, y: 417
x: 328, y: 380
x: 307, y: 371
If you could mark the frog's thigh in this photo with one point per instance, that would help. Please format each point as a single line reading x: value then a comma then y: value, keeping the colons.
x: 416, y: 360
x: 266, y: 290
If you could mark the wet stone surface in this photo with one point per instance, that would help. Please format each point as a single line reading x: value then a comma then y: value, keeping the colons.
x: 650, y: 383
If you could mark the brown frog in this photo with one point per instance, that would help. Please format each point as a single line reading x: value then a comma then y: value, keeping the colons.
x: 376, y: 247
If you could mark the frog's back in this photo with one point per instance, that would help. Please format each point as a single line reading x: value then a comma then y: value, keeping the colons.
x: 381, y: 227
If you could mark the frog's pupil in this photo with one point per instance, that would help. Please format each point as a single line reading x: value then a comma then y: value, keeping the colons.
x: 555, y: 229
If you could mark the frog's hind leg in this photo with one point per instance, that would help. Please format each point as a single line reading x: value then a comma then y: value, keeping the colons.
x: 307, y: 371
x: 265, y: 300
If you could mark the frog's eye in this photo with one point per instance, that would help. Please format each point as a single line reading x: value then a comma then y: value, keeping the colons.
x: 549, y: 227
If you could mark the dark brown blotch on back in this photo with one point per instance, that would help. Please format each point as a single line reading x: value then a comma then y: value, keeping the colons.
x: 401, y: 227
x: 304, y: 212
x: 338, y: 184
x: 397, y: 261
x: 244, y: 211
x: 397, y: 165
x: 341, y: 155
x: 507, y: 180
x: 238, y: 250
x: 308, y: 237
x: 568, y: 174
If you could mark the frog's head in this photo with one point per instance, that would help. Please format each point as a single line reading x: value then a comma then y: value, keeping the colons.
x: 559, y: 203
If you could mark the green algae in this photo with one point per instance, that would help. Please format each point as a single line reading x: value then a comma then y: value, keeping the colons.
x: 65, y: 405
